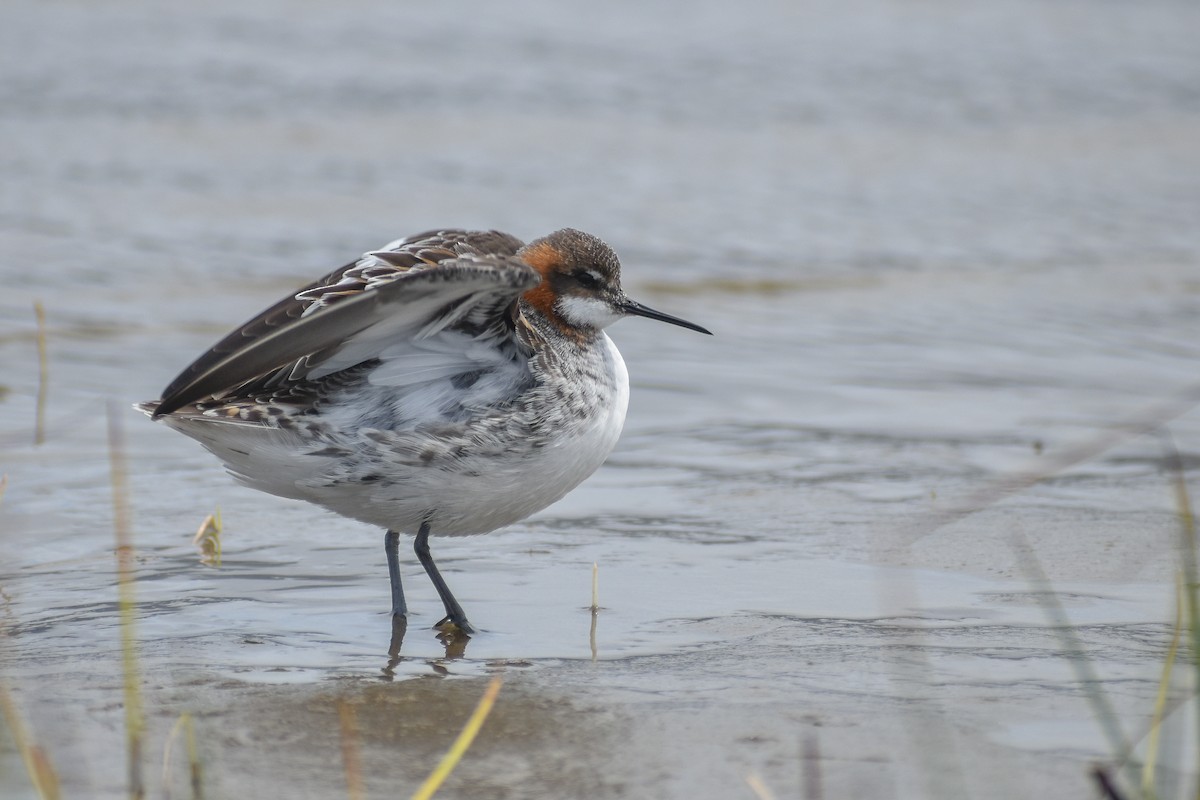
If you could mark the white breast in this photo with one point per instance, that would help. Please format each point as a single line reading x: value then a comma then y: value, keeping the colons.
x: 506, y: 478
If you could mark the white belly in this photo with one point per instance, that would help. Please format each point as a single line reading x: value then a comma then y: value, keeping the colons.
x: 489, y: 490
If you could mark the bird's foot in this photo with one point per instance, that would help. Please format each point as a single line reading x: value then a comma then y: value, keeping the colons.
x: 454, y: 624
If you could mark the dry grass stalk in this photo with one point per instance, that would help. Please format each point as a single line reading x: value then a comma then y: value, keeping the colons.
x: 134, y: 720
x: 595, y: 587
x: 208, y: 539
x: 1104, y: 782
x: 1160, y: 701
x: 1190, y: 597
x: 812, y: 765
x: 37, y: 764
x: 760, y: 789
x: 595, y: 609
x: 455, y: 754
x: 195, y: 773
x: 351, y: 763
x: 39, y: 428
x: 1072, y: 646
x: 1149, y: 420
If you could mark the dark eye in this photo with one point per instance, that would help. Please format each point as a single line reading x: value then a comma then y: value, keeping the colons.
x: 586, y: 279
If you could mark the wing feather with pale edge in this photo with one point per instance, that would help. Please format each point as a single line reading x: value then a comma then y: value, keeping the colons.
x: 413, y: 289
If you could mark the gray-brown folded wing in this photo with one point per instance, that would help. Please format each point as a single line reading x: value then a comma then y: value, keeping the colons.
x: 415, y: 289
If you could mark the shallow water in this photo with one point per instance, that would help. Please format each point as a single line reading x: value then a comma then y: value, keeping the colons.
x: 938, y: 245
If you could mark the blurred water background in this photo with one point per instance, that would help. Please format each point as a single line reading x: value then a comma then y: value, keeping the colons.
x: 937, y: 243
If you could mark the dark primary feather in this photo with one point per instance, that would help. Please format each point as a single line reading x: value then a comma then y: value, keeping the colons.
x: 428, y: 275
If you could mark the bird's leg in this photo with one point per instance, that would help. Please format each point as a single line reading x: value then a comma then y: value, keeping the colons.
x: 454, y: 612
x: 391, y: 544
x: 399, y: 627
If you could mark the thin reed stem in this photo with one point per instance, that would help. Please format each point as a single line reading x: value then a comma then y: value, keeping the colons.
x: 134, y: 720
x: 39, y: 428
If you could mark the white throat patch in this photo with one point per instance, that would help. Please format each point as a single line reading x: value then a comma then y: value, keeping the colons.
x: 587, y: 312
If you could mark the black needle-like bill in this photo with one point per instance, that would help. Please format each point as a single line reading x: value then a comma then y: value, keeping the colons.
x: 636, y: 309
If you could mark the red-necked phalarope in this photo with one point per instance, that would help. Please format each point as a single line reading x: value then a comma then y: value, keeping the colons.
x: 453, y: 381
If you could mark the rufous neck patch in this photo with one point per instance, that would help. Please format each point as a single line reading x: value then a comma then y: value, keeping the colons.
x: 545, y: 258
x: 543, y: 298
